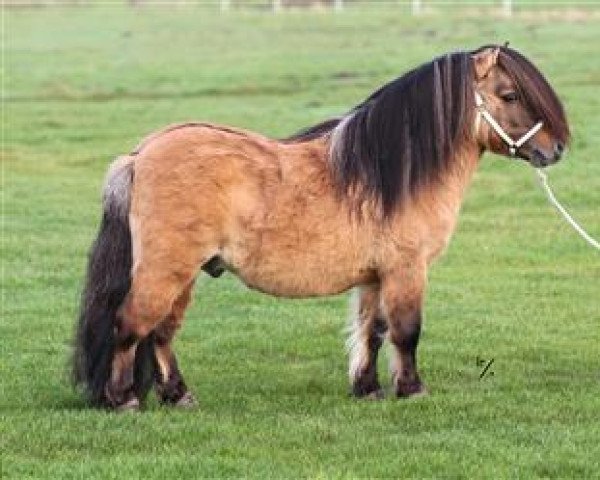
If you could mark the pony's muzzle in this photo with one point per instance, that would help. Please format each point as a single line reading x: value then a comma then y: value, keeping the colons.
x: 541, y: 157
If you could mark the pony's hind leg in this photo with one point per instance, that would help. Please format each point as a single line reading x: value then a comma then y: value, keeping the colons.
x: 169, y: 384
x: 401, y: 298
x: 367, y: 333
x: 148, y: 303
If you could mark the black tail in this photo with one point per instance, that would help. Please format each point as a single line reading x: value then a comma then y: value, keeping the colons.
x: 108, y: 282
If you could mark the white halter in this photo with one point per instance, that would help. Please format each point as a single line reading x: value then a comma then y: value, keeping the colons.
x: 513, y: 145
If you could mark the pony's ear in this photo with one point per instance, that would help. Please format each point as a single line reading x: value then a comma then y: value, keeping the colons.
x: 484, y: 60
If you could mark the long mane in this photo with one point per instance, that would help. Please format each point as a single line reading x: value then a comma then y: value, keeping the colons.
x: 404, y: 134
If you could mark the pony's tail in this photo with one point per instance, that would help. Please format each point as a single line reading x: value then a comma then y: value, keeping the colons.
x: 108, y: 282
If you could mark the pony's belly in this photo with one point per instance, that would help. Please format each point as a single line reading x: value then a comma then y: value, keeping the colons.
x: 298, y: 246
x: 301, y: 286
x: 297, y: 275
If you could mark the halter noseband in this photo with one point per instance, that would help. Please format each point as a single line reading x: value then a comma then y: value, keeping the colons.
x: 513, y: 145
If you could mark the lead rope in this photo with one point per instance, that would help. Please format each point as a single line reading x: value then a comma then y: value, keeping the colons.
x: 513, y: 146
x: 544, y: 182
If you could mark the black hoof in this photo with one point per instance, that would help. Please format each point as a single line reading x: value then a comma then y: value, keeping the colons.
x: 119, y: 401
x: 175, y: 394
x: 370, y: 391
x: 411, y: 390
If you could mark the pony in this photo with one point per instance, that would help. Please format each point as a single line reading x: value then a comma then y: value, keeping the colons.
x: 366, y: 200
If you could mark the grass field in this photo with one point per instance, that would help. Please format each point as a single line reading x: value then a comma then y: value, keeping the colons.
x: 517, y: 285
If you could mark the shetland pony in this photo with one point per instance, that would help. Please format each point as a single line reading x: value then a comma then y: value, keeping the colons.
x: 366, y: 200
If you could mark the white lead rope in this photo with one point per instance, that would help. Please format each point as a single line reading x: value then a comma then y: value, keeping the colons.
x: 544, y: 182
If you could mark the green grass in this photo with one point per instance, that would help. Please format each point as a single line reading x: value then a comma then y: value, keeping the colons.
x: 83, y: 85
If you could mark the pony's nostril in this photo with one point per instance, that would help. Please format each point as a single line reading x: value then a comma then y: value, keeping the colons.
x: 538, y: 158
x: 559, y: 148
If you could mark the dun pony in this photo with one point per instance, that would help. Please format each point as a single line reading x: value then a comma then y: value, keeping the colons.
x: 367, y: 200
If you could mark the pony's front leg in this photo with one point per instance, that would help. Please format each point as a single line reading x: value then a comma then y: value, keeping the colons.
x: 402, y: 297
x: 366, y: 336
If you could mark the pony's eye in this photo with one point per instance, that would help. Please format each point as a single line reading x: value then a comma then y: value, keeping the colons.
x: 510, y: 97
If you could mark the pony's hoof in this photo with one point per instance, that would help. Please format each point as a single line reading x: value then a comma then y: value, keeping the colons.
x: 411, y: 390
x: 186, y: 402
x: 367, y: 393
x: 375, y: 395
x: 131, y: 405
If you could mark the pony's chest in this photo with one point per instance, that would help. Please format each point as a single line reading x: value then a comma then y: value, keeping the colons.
x: 419, y: 233
x: 441, y: 230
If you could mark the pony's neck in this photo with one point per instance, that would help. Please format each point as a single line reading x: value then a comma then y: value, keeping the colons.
x: 453, y: 186
x: 466, y: 162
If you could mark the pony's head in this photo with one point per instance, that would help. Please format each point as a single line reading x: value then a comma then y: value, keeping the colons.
x: 518, y: 112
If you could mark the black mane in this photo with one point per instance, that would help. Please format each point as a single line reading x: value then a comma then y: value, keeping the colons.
x: 404, y: 134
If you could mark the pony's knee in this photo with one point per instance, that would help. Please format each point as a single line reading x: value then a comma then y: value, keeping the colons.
x: 405, y: 331
x: 402, y: 299
x: 403, y: 290
x: 404, y: 320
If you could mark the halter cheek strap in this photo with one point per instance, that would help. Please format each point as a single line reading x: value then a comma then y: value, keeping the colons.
x: 513, y: 145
